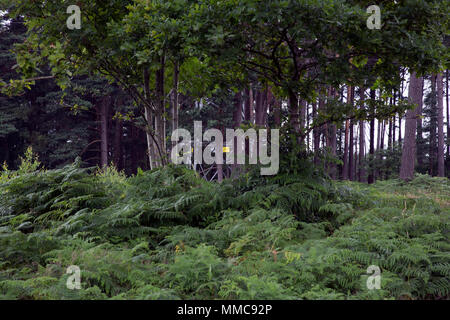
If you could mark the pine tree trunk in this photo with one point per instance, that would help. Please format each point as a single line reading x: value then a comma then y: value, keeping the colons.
x: 420, y: 153
x: 160, y: 120
x: 409, y: 145
x: 174, y: 112
x: 316, y: 134
x: 390, y: 131
x: 294, y: 114
x: 371, y: 178
x: 248, y: 104
x: 104, y: 111
x: 440, y: 119
x: 118, y: 133
x: 237, y: 120
x: 362, y: 139
x: 347, y: 153
x: 448, y: 117
x: 148, y: 114
x: 277, y: 112
x: 351, y: 161
x: 432, y: 136
x: 331, y: 140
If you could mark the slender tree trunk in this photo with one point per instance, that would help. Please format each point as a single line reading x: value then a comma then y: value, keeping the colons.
x: 252, y: 105
x: 104, y: 131
x: 400, y: 115
x: 420, y: 153
x: 347, y: 153
x: 331, y: 140
x: 440, y: 119
x: 316, y: 135
x: 394, y: 120
x: 277, y: 112
x: 371, y: 176
x: 448, y: 117
x: 174, y: 112
x: 248, y: 104
x: 362, y: 141
x: 151, y: 146
x: 160, y: 119
x: 237, y: 120
x: 294, y: 114
x: 261, y: 107
x: 351, y: 161
x: 118, y: 133
x: 390, y: 129
x: 409, y: 145
x: 432, y: 136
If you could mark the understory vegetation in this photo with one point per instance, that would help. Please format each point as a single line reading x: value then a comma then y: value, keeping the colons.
x: 168, y: 234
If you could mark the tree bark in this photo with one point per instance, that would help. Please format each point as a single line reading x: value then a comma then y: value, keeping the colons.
x: 104, y: 111
x: 148, y: 114
x: 362, y: 141
x: 371, y: 176
x: 409, y: 145
x: 331, y: 140
x: 432, y: 136
x: 118, y: 144
x: 440, y: 119
x: 420, y: 153
x: 448, y: 117
x: 237, y: 120
x: 176, y: 72
x: 294, y: 114
x: 316, y: 135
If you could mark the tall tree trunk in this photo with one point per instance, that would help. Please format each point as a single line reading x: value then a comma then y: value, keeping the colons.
x: 118, y: 133
x: 277, y: 112
x: 420, y: 151
x: 448, y: 117
x: 394, y: 120
x: 316, y: 134
x: 440, y: 119
x: 390, y: 127
x: 176, y: 72
x: 261, y: 107
x: 351, y: 161
x: 400, y: 115
x: 294, y: 114
x: 331, y: 139
x: 148, y: 114
x: 409, y: 145
x: 237, y: 120
x: 347, y: 153
x: 371, y: 176
x: 248, y: 104
x: 362, y: 141
x: 160, y: 119
x: 104, y: 111
x: 432, y: 136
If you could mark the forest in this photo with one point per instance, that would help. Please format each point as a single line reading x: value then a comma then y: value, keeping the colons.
x: 352, y: 97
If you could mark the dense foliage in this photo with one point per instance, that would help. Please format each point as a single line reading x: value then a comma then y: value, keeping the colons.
x: 167, y: 234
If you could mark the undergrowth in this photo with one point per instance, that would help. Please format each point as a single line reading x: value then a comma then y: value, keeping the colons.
x: 168, y: 234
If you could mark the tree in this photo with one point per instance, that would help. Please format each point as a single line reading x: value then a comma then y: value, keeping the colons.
x: 440, y: 123
x: 409, y: 145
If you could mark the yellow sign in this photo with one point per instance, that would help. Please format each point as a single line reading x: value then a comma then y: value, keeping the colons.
x: 226, y: 149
